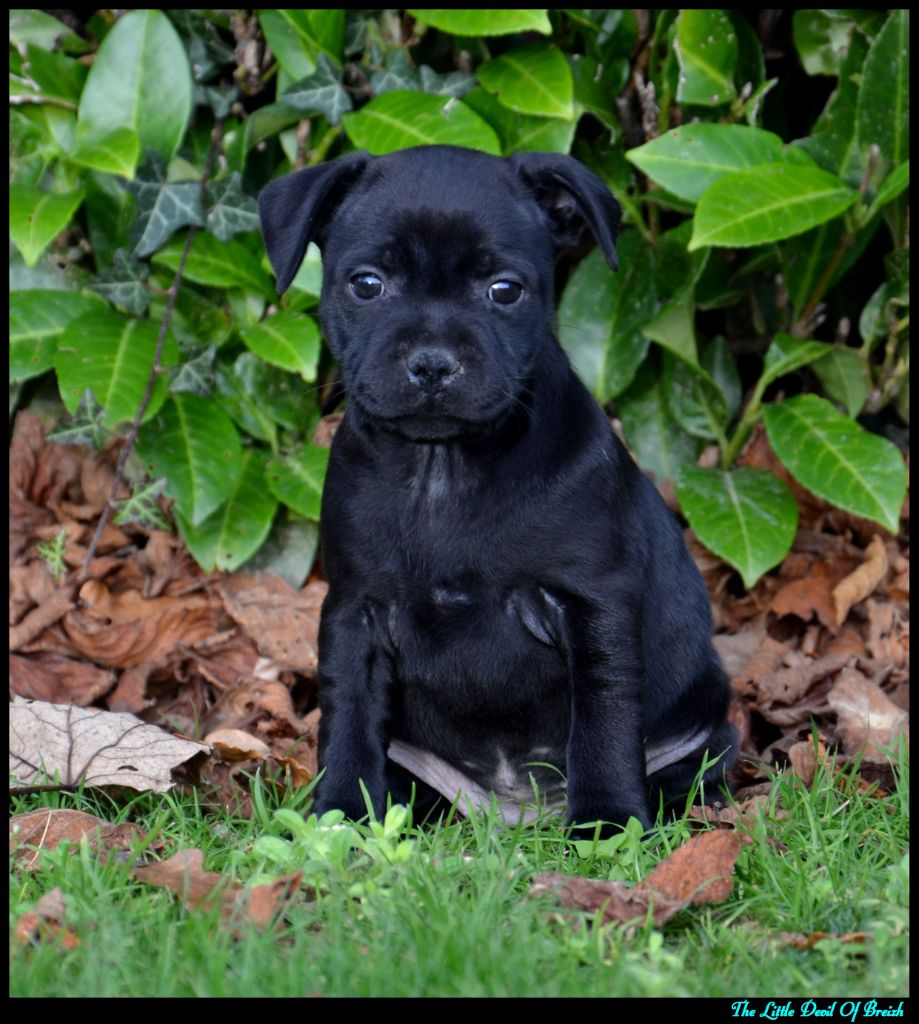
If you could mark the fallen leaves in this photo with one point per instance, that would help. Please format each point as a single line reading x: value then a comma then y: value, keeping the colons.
x: 43, y: 830
x: 700, y: 871
x: 99, y: 748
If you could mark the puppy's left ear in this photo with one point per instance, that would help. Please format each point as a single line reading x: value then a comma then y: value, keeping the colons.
x: 571, y: 197
x: 294, y: 209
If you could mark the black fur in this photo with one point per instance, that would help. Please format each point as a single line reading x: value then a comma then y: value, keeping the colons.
x: 505, y: 584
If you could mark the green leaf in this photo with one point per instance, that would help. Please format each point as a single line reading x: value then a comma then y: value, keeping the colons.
x: 693, y: 398
x: 225, y: 264
x: 143, y: 507
x: 533, y: 79
x: 230, y: 211
x: 601, y: 314
x: 162, y: 207
x: 112, y: 355
x: 235, y: 396
x: 486, y: 22
x: 787, y: 354
x: 822, y: 40
x: 116, y: 152
x: 85, y: 426
x: 706, y: 48
x: 766, y: 203
x: 289, y: 551
x: 287, y: 340
x: 297, y: 479
x: 54, y: 74
x: 720, y: 365
x: 194, y: 445
x: 37, y: 320
x: 321, y: 92
x: 689, y: 159
x: 842, y: 374
x: 520, y: 132
x: 596, y: 85
x: 402, y: 119
x: 140, y: 80
x: 658, y: 442
x: 895, y: 183
x: 37, y: 217
x: 232, y: 534
x: 124, y: 284
x: 883, y: 100
x: 748, y: 517
x: 832, y: 456
x: 294, y: 50
x: 31, y: 26
x: 196, y: 374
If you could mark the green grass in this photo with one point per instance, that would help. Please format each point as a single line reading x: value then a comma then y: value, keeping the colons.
x: 447, y: 912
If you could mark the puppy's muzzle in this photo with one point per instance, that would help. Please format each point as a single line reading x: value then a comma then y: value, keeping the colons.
x: 432, y: 369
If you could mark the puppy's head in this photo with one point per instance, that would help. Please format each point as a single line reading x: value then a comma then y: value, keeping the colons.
x: 437, y: 273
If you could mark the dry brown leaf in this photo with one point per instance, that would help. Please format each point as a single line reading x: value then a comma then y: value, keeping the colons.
x: 790, y: 684
x: 699, y: 871
x: 849, y: 641
x: 127, y: 630
x: 618, y: 900
x: 804, y: 759
x: 184, y: 873
x: 54, y: 607
x: 240, y: 707
x: 237, y: 745
x: 761, y: 665
x: 283, y: 622
x: 263, y: 904
x: 867, y: 717
x: 744, y: 813
x: 96, y: 747
x: 326, y: 428
x: 44, y: 829
x: 801, y: 941
x: 859, y: 584
x: 45, y: 922
x: 58, y: 680
x: 131, y: 692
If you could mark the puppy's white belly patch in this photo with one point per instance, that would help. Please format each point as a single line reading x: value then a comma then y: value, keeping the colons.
x: 509, y: 784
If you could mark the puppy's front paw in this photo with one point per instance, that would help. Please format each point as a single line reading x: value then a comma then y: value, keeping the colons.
x: 585, y: 821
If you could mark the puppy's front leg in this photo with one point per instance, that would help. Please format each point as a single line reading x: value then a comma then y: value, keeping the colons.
x: 606, y: 761
x: 355, y: 681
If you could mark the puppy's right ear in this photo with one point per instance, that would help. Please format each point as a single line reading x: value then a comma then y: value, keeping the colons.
x: 293, y: 210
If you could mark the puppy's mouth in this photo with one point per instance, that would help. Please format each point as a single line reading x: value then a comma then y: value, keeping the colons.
x: 430, y: 423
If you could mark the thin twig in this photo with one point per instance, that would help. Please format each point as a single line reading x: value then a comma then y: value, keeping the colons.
x: 51, y: 101
x: 131, y: 438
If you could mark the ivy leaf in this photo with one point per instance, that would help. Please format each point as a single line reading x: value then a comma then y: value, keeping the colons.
x: 230, y: 211
x: 143, y: 507
x: 748, y: 517
x: 320, y: 92
x: 124, y: 284
x: 196, y: 375
x: 85, y: 426
x: 162, y: 207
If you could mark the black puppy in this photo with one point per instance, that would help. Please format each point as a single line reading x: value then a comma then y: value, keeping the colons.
x: 506, y: 587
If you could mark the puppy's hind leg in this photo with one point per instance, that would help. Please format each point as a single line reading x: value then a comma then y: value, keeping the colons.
x: 674, y: 781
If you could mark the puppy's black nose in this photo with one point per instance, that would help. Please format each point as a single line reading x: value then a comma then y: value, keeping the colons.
x: 432, y: 368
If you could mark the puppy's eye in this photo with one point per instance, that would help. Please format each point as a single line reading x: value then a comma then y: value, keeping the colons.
x: 505, y: 292
x: 366, y: 286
